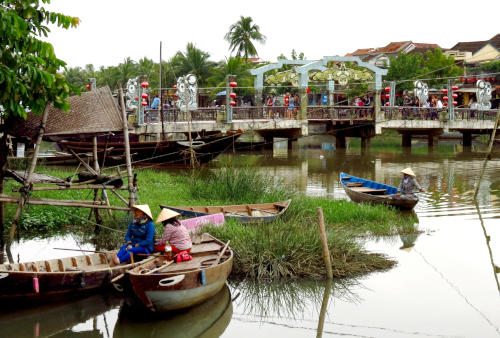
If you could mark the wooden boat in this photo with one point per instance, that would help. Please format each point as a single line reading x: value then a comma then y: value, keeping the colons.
x: 46, y: 280
x: 245, y: 213
x: 162, y: 285
x: 361, y: 190
x: 207, y: 319
x: 166, y: 152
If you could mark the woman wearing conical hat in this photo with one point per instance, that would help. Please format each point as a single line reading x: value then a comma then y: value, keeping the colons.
x: 409, y: 183
x: 139, y: 236
x: 175, y: 233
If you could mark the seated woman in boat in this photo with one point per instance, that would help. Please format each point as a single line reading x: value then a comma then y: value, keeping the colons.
x: 409, y: 183
x: 175, y: 234
x: 139, y: 237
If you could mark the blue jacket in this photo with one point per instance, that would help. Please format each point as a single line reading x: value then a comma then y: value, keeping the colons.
x: 142, y: 234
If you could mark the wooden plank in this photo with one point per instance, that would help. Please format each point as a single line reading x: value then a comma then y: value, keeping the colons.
x: 367, y: 190
x: 60, y: 264
x: 103, y: 258
x: 60, y: 203
x: 74, y: 262
x: 74, y: 187
x: 22, y: 267
x: 89, y: 260
x: 34, y: 267
x: 47, y: 266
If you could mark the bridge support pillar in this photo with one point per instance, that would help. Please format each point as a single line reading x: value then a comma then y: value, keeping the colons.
x: 269, y: 142
x: 258, y: 98
x: 365, y: 142
x: 406, y: 140
x: 467, y: 139
x: 430, y: 140
x: 340, y: 141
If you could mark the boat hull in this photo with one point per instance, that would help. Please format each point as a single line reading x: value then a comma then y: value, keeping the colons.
x: 83, y: 278
x: 186, y: 284
x: 168, y: 152
x: 405, y: 202
x: 244, y: 213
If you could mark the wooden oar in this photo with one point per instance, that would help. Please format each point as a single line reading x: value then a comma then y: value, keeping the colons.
x: 110, y: 252
x: 221, y: 253
x: 167, y: 263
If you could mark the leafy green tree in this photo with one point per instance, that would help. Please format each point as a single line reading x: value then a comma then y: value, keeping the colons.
x: 405, y: 67
x: 192, y: 61
x: 29, y: 77
x: 240, y: 37
x: 438, y: 67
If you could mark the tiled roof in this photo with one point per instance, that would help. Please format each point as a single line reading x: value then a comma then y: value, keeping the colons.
x: 472, y: 46
x: 362, y: 51
x: 393, y: 47
x: 93, y: 112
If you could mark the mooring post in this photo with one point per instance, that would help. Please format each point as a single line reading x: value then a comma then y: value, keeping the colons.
x: 324, y: 243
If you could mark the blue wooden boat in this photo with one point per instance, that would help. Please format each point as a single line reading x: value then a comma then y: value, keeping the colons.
x: 361, y: 190
x: 245, y: 213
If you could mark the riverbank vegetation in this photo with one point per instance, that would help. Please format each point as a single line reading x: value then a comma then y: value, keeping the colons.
x: 288, y: 247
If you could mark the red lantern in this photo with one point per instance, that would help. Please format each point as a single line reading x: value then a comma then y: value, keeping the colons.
x: 387, y: 96
x: 454, y: 87
x: 233, y: 84
x: 232, y: 103
x: 445, y: 104
x: 445, y: 91
x: 176, y: 96
x: 88, y: 87
x: 137, y: 98
x: 144, y: 84
x: 387, y: 89
x: 144, y: 103
x: 492, y: 79
x: 175, y: 86
x: 472, y: 80
x: 233, y: 95
x: 461, y: 79
x: 308, y: 90
x: 144, y: 95
x: 387, y: 103
x: 454, y: 95
x: 455, y: 103
x: 445, y: 98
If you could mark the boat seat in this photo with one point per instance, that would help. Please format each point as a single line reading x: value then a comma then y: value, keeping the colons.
x: 354, y: 184
x: 370, y: 191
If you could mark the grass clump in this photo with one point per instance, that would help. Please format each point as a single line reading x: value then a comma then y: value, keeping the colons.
x: 292, y: 249
x: 237, y: 185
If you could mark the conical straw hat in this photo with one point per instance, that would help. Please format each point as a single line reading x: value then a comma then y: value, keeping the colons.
x: 408, y: 171
x: 166, y: 214
x: 145, y: 209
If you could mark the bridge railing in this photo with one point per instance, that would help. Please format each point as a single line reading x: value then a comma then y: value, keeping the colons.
x: 340, y: 113
x: 441, y: 114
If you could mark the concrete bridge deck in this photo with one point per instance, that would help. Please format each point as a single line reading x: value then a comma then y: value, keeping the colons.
x: 341, y: 121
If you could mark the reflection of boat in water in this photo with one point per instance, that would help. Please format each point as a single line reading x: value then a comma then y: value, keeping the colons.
x: 208, y: 319
x: 361, y: 190
x: 50, y: 319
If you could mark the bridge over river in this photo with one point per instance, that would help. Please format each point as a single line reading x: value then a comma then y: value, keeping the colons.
x: 341, y: 121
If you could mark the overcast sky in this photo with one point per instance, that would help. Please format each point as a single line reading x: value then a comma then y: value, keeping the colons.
x: 111, y: 30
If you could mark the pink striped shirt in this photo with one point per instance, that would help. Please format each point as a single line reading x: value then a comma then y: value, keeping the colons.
x: 177, y: 236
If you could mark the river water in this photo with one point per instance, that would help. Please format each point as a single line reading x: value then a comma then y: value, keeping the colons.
x: 444, y: 284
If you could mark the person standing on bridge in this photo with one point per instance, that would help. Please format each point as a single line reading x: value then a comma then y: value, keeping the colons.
x: 409, y: 184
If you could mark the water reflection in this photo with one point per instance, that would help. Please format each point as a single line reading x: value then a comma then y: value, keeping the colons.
x: 208, y: 319
x: 50, y: 319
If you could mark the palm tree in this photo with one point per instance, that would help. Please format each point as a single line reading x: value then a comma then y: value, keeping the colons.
x: 193, y: 61
x: 240, y: 37
x: 233, y: 66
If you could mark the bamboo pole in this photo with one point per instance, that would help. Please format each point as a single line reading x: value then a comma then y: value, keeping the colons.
x: 74, y: 187
x: 97, y: 169
x: 324, y: 243
x: 188, y: 116
x: 161, y: 104
x: 61, y: 203
x: 324, y: 307
x: 127, y: 149
x: 27, y: 182
x: 488, y: 154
